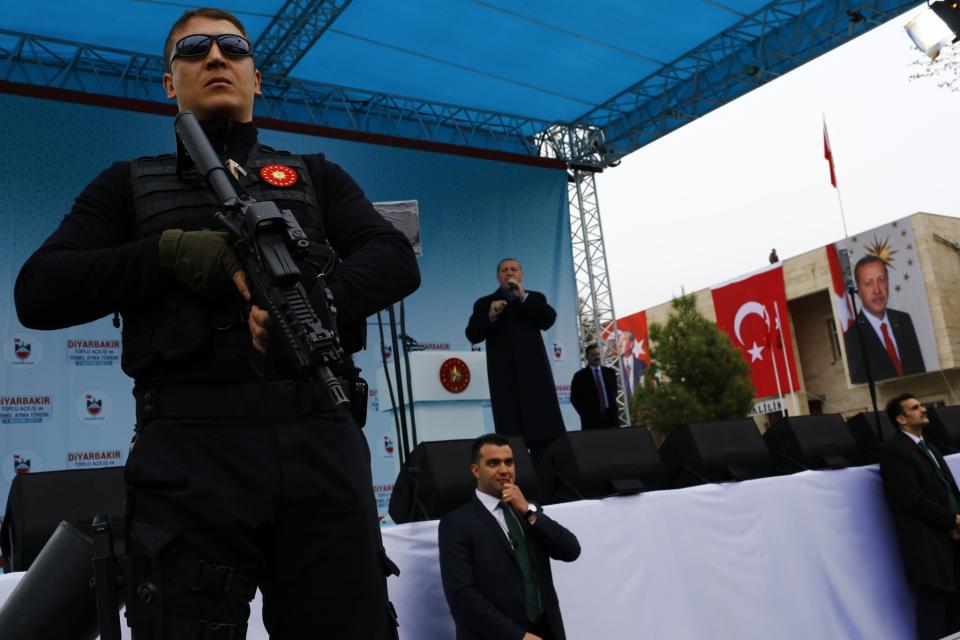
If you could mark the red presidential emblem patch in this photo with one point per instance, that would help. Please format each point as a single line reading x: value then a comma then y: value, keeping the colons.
x: 279, y: 175
x: 454, y: 375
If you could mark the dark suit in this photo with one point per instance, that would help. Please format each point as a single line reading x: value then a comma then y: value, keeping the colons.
x: 920, y: 506
x: 583, y: 396
x: 634, y: 378
x: 523, y: 396
x: 482, y: 580
x: 908, y: 348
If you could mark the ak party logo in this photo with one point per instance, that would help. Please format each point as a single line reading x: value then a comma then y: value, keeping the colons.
x: 558, y: 352
x: 94, y: 406
x: 22, y: 351
x: 389, y: 448
x: 20, y: 462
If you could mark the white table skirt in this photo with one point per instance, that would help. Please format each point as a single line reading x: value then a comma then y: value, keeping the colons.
x: 812, y: 555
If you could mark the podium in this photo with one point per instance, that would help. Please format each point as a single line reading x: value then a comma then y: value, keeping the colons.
x: 450, y: 393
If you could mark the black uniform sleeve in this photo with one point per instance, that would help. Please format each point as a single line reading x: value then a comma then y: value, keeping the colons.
x: 378, y: 264
x: 92, y: 264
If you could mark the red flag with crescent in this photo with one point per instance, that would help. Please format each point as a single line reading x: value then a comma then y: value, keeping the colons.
x: 828, y: 154
x: 840, y: 295
x: 753, y: 312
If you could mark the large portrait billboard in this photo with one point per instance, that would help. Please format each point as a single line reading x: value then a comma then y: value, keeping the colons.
x: 886, y: 326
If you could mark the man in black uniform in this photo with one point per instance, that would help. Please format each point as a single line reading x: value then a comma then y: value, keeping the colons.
x: 239, y: 477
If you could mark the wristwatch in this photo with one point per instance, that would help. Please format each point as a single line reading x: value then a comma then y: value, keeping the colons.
x: 532, y: 510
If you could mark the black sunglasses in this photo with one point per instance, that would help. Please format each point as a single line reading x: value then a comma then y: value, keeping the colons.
x: 198, y: 44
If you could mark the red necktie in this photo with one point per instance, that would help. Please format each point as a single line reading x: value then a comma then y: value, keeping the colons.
x: 891, y: 350
x: 600, y: 393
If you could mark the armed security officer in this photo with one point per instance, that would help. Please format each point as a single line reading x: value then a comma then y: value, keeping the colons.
x: 239, y: 477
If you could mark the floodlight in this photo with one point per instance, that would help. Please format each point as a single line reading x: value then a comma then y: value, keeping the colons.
x: 935, y: 27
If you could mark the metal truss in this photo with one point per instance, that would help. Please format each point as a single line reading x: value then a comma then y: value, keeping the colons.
x: 291, y: 33
x: 761, y: 47
x: 385, y: 114
x: 595, y: 314
x: 61, y: 64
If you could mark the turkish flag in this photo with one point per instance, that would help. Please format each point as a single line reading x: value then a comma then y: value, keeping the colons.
x: 840, y: 294
x: 828, y: 154
x: 753, y: 312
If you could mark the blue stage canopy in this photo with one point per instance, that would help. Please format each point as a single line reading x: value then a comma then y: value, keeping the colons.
x: 587, y: 82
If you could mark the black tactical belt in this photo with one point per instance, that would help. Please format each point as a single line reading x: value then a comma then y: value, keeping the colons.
x: 284, y: 399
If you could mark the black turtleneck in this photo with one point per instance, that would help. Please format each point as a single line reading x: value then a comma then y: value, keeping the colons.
x: 93, y: 263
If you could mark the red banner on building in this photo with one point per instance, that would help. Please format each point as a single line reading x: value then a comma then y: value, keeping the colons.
x: 840, y: 296
x: 753, y: 311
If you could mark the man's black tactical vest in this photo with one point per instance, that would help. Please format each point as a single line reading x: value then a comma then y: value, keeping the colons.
x: 182, y: 328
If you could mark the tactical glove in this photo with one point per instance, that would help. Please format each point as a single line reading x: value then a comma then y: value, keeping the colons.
x: 202, y: 261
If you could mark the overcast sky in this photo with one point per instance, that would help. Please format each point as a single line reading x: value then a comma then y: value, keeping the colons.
x: 708, y: 202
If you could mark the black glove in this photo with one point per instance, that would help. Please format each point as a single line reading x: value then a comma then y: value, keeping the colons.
x: 202, y: 261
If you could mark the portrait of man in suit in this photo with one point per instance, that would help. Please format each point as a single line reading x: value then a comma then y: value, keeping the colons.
x: 923, y: 498
x: 495, y: 555
x: 593, y: 393
x: 633, y: 367
x: 890, y: 344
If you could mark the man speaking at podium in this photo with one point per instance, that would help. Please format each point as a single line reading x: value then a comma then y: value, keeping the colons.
x: 523, y: 395
x: 241, y: 475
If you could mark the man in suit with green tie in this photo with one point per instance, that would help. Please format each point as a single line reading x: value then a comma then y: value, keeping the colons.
x: 495, y: 555
x: 925, y: 503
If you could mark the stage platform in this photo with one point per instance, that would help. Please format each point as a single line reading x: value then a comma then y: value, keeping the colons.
x: 811, y: 555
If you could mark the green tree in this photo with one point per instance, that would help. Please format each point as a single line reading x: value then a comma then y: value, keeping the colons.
x: 696, y: 375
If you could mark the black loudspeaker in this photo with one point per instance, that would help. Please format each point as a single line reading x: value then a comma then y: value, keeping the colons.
x: 599, y: 463
x: 39, y: 501
x: 703, y: 452
x: 944, y: 428
x: 798, y: 443
x: 437, y: 479
x: 863, y: 428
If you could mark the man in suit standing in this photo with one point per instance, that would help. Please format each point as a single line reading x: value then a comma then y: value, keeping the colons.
x: 523, y: 396
x: 495, y: 555
x: 923, y: 498
x: 633, y: 367
x: 889, y: 339
x: 593, y: 393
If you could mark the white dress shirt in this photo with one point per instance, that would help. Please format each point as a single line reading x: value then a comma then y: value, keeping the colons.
x: 917, y: 440
x: 493, y: 505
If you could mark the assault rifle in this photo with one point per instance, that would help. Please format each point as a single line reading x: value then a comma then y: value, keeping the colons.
x: 266, y: 240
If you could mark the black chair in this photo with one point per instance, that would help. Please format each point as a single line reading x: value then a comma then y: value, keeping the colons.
x: 798, y: 443
x: 944, y: 428
x: 38, y: 502
x: 599, y: 463
x: 863, y: 428
x: 704, y: 452
x: 437, y: 479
